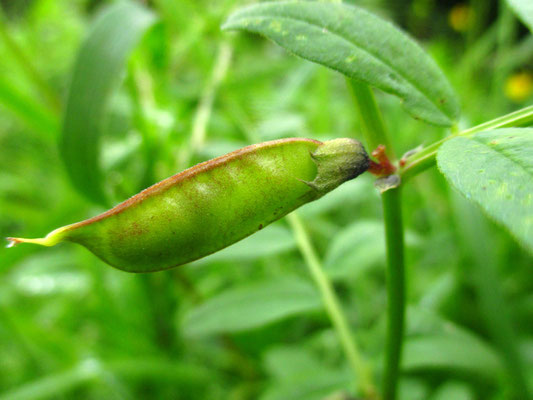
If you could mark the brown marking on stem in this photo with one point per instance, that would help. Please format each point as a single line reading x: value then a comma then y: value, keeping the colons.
x: 375, y: 168
x: 383, y: 167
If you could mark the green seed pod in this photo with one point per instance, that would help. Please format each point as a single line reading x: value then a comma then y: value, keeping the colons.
x: 213, y: 204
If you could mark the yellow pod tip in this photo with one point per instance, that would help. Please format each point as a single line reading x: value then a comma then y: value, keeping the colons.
x: 51, y: 239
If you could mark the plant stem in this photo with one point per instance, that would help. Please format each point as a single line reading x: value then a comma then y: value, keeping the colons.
x: 376, y: 134
x: 426, y: 158
x: 392, y: 215
x: 370, y: 118
x: 203, y: 111
x: 521, y: 117
x: 506, y: 32
x: 140, y: 89
x: 333, y: 308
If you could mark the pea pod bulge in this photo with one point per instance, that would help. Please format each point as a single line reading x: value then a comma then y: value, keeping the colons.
x: 213, y: 204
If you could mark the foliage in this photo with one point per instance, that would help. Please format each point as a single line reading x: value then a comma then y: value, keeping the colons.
x: 248, y: 322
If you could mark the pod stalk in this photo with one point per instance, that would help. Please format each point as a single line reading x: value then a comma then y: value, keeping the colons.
x: 49, y: 240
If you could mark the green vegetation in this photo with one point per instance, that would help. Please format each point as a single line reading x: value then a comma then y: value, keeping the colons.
x: 419, y: 290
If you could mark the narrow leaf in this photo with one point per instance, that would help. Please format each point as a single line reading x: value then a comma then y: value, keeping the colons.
x: 354, y: 249
x: 252, y: 305
x: 433, y: 342
x: 495, y: 170
x: 450, y: 353
x: 54, y: 385
x: 287, y: 362
x: 59, y: 384
x: 453, y: 390
x: 358, y: 247
x: 524, y: 10
x: 97, y: 70
x: 358, y: 44
x: 316, y: 385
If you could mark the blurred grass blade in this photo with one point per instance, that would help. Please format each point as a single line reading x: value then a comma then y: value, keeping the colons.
x: 524, y: 10
x: 252, y: 305
x: 150, y: 369
x: 495, y: 170
x: 98, y: 67
x: 51, y: 386
x: 358, y: 44
x: 30, y: 112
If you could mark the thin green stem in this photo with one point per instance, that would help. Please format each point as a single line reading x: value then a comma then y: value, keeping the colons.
x: 506, y: 26
x: 376, y: 134
x: 203, y: 111
x: 374, y: 130
x: 392, y: 216
x: 426, y: 158
x: 333, y: 308
x: 520, y: 117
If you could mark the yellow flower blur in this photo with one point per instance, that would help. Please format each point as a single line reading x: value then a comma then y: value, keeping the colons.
x: 519, y: 86
x: 460, y: 17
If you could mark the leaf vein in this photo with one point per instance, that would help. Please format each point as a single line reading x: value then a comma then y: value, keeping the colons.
x: 502, y: 152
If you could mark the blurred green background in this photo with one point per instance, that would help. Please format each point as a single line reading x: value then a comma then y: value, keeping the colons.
x: 247, y: 322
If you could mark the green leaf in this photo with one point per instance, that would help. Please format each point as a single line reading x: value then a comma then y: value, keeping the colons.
x: 58, y: 384
x: 433, y: 342
x: 99, y: 65
x: 286, y: 363
x: 361, y: 46
x: 272, y: 240
x: 412, y: 389
x: 358, y: 247
x: 348, y: 195
x: 252, y: 305
x: 524, y: 10
x: 450, y: 353
x: 495, y: 170
x: 453, y: 390
x: 316, y: 385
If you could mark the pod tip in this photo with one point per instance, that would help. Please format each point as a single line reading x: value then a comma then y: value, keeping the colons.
x: 12, y: 242
x: 49, y: 240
